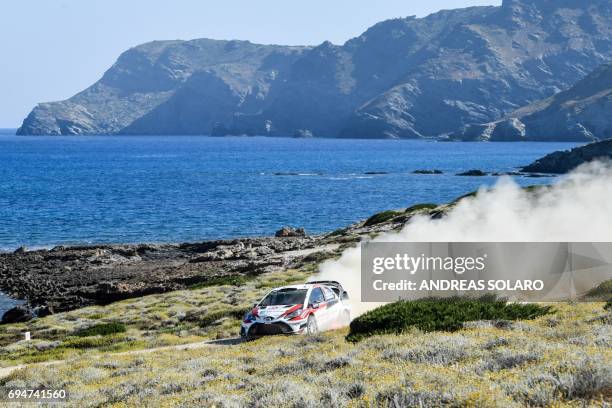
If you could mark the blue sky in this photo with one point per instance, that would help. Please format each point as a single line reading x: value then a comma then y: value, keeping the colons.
x: 51, y: 49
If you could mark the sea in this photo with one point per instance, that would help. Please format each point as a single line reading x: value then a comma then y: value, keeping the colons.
x: 62, y: 190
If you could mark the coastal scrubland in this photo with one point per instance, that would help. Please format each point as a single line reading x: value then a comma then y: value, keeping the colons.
x: 558, y: 359
x: 136, y: 352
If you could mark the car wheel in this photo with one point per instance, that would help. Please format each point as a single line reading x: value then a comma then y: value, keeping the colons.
x: 312, y: 328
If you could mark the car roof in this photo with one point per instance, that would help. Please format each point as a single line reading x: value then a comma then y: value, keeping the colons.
x: 302, y: 286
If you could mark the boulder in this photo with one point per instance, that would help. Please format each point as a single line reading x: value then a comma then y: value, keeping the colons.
x: 428, y: 172
x: 287, y: 232
x: 18, y: 314
x: 472, y: 173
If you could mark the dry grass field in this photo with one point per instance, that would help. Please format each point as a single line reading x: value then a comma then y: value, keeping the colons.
x: 561, y: 359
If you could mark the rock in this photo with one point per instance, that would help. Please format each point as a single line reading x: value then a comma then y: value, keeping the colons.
x: 539, y: 175
x: 402, y: 78
x: 563, y: 162
x: 21, y: 250
x: 72, y: 277
x: 18, y: 314
x: 375, y: 173
x: 428, y: 172
x: 45, y: 311
x: 581, y: 113
x: 287, y: 232
x: 472, y: 173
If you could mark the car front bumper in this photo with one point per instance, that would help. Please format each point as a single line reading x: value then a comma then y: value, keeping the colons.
x: 258, y: 328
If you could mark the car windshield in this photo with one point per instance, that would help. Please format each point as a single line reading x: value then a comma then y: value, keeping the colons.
x: 284, y: 297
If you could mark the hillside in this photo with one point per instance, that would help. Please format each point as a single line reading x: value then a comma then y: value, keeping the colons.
x: 471, y: 65
x: 563, y: 162
x: 557, y: 360
x: 582, y: 113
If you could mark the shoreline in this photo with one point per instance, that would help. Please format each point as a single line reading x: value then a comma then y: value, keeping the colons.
x: 65, y: 278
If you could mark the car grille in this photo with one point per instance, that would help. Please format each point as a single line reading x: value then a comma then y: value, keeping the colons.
x: 269, y: 329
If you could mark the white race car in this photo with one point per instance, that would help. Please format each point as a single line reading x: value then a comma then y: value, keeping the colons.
x: 298, y: 309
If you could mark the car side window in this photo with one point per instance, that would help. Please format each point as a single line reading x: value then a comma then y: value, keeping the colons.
x: 329, y: 295
x: 317, y: 296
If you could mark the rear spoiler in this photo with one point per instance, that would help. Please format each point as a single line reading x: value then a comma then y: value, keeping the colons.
x: 343, y: 294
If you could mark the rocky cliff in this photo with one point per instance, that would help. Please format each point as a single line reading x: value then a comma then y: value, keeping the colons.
x: 582, y: 113
x: 402, y: 78
x: 563, y: 162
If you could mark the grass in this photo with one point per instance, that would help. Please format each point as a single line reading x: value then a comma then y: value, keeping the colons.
x: 233, y: 280
x: 438, y: 314
x: 102, y: 329
x: 180, y: 317
x: 528, y: 363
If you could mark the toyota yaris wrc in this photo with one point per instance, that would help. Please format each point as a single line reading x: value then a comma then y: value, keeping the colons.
x: 298, y: 309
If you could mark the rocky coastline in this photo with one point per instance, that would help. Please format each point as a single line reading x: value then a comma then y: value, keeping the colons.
x: 565, y: 161
x: 70, y: 277
x: 66, y: 278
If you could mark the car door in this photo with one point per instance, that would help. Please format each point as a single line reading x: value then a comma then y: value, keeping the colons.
x: 333, y: 309
x: 316, y: 296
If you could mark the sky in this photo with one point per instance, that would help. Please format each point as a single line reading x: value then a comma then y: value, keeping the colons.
x: 52, y: 49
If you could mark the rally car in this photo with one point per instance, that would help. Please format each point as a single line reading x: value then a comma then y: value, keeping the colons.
x: 298, y: 309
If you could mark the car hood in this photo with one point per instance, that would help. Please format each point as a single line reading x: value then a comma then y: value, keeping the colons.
x: 275, y: 311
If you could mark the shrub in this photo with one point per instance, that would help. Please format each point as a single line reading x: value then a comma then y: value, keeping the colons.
x: 102, y: 329
x: 91, y: 342
x: 496, y: 342
x: 337, y: 362
x: 468, y: 195
x: 603, y: 290
x: 210, y: 318
x: 230, y: 280
x: 608, y: 305
x: 381, y: 217
x: 433, y: 354
x: 589, y: 379
x: 507, y: 359
x: 438, y: 314
x: 420, y: 207
x: 339, y: 231
x: 399, y: 397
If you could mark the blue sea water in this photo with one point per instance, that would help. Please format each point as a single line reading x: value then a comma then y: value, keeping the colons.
x: 75, y: 190
x: 7, y: 303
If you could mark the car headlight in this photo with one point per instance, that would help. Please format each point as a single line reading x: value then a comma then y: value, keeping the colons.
x: 294, y: 314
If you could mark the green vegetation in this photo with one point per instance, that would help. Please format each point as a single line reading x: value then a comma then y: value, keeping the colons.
x: 102, y: 329
x: 165, y: 319
x: 233, y: 280
x: 608, y: 305
x: 601, y: 291
x: 438, y: 314
x: 420, y: 207
x: 381, y: 217
x: 207, y: 319
x: 92, y: 341
x: 338, y: 232
x: 468, y: 195
x: 526, y: 363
